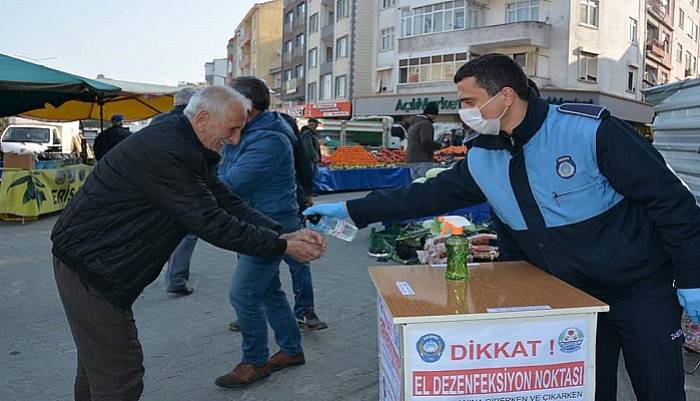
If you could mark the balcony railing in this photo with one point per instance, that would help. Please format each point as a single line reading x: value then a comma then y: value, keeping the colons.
x: 327, y: 31
x: 245, y: 38
x: 485, y: 38
x: 657, y: 48
x: 290, y: 86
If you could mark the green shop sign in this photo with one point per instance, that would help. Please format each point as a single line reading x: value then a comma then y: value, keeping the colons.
x: 418, y: 104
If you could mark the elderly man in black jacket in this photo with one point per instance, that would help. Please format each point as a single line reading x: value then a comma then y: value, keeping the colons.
x: 119, y: 229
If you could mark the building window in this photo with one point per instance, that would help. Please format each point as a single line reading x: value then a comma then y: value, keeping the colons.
x: 663, y: 79
x: 300, y: 44
x: 387, y: 39
x: 650, y: 74
x: 590, y: 12
x: 277, y: 80
x: 287, y: 75
x: 521, y: 59
x: 311, y: 92
x: 681, y: 18
x: 341, y: 7
x: 527, y: 10
x: 300, y: 71
x: 679, y: 53
x: 431, y: 68
x: 341, y: 47
x: 313, y: 58
x: 388, y: 4
x: 288, y: 21
x: 666, y: 41
x: 326, y: 87
x: 688, y: 63
x: 588, y: 67
x: 313, y: 23
x: 689, y: 26
x: 441, y: 17
x: 340, y: 85
x: 288, y: 48
x: 631, y: 79
x: 301, y: 13
x: 632, y: 30
x: 329, y: 54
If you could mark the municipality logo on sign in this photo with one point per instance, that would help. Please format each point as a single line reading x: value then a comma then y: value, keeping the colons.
x: 571, y: 340
x: 430, y: 347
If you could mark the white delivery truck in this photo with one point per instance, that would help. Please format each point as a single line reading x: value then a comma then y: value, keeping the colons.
x: 28, y: 136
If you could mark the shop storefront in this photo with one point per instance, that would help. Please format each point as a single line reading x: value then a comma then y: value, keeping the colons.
x: 341, y: 109
x: 634, y: 112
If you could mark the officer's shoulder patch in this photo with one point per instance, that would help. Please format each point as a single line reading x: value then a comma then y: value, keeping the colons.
x: 584, y: 109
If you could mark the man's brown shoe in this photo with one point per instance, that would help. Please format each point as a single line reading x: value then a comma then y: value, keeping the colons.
x: 283, y: 360
x: 242, y: 375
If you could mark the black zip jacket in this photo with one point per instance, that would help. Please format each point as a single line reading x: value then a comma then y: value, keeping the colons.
x: 577, y: 193
x: 141, y: 200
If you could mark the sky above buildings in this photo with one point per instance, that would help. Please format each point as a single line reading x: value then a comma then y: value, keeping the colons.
x: 155, y: 41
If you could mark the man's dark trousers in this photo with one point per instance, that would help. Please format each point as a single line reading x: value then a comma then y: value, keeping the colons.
x: 110, y: 359
x: 647, y: 330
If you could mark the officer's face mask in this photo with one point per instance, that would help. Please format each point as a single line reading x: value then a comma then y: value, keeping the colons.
x: 473, y: 118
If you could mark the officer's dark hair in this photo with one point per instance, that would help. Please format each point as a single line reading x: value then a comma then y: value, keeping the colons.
x: 254, y: 89
x: 493, y: 72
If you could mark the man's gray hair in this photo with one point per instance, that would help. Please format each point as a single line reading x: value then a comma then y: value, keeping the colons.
x: 183, y: 96
x: 215, y: 100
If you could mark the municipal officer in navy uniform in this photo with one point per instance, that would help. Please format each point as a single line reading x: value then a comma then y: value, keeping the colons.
x: 578, y: 193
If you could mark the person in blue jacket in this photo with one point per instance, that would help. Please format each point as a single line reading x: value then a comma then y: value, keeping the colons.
x: 260, y: 169
x: 578, y: 193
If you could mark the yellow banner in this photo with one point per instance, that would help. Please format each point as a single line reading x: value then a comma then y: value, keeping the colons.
x: 30, y: 193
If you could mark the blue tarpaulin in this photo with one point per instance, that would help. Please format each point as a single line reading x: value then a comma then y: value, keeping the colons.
x: 477, y: 214
x: 329, y: 180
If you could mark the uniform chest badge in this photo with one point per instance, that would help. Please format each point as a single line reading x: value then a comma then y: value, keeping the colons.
x: 566, y: 168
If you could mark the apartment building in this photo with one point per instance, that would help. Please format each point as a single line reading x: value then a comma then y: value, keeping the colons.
x: 215, y: 71
x: 685, y: 18
x: 255, y: 47
x: 575, y: 50
x: 294, y: 52
x: 659, y: 42
x: 340, y: 36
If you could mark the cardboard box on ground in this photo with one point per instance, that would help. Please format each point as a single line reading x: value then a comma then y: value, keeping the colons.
x: 22, y: 161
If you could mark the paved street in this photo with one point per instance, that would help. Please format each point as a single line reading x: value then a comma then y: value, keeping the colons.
x: 186, y: 340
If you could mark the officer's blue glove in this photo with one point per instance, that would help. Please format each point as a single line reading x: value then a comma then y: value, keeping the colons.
x: 690, y: 300
x: 337, y: 210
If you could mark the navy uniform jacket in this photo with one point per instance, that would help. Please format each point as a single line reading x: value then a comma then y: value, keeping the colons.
x: 577, y: 193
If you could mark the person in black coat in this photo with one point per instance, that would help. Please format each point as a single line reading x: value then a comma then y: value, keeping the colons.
x: 116, y: 233
x: 177, y: 273
x: 110, y: 137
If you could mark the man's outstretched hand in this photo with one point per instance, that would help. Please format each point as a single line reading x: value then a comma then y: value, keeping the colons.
x: 305, y: 245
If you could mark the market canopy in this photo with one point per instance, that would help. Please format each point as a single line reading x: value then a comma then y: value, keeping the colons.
x: 135, y: 101
x: 26, y: 86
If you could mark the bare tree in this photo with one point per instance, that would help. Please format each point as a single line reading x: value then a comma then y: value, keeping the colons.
x: 4, y: 122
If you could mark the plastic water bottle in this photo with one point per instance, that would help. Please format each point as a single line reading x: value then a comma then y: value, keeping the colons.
x: 339, y: 228
x: 457, y: 252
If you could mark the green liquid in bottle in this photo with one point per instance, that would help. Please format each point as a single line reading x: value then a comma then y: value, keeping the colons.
x: 457, y: 252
